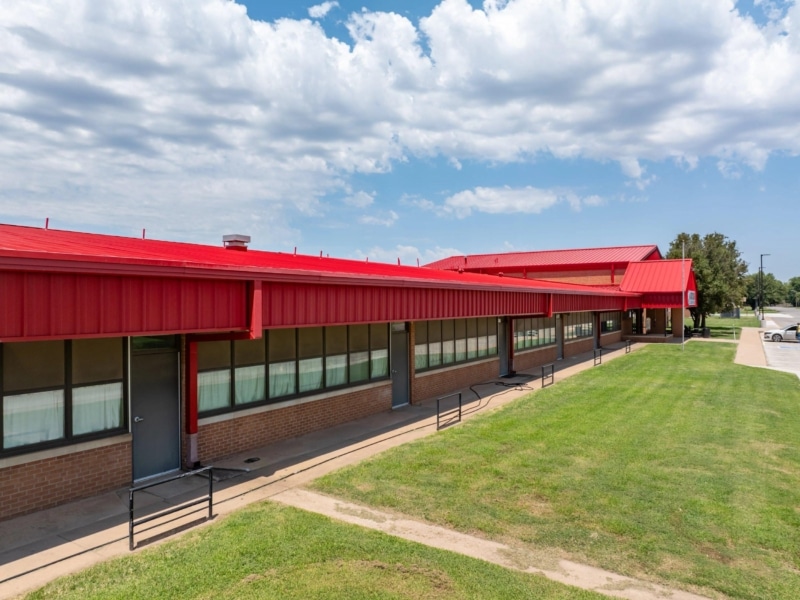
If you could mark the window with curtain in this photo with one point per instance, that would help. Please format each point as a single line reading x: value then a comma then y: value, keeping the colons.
x: 288, y: 363
x: 421, y: 345
x: 379, y: 351
x: 452, y: 341
x: 532, y: 332
x: 335, y: 356
x: 60, y: 392
x: 359, y: 353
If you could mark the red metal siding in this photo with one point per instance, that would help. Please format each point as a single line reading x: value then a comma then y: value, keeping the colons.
x: 289, y: 305
x: 563, y: 303
x: 48, y: 305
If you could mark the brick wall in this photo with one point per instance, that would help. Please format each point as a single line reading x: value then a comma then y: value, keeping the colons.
x: 437, y: 383
x: 530, y: 359
x: 578, y: 347
x: 223, y: 438
x: 40, y: 484
x: 610, y: 338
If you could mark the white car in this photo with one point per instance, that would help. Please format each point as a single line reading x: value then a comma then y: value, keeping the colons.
x: 787, y: 334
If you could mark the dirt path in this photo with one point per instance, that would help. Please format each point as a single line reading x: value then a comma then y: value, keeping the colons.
x: 564, y: 571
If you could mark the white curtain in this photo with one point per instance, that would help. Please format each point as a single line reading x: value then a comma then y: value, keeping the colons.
x: 359, y: 366
x: 310, y: 370
x: 33, y: 418
x: 250, y: 384
x: 281, y: 379
x: 96, y: 408
x: 213, y: 390
x: 335, y: 370
x: 421, y: 356
x: 380, y: 363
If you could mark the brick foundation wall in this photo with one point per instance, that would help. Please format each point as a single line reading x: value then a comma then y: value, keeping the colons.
x: 451, y: 379
x: 223, y: 438
x: 610, y: 338
x: 535, y: 358
x: 40, y: 484
x: 578, y: 347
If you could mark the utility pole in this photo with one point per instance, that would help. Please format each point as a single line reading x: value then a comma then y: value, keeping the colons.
x: 761, y: 285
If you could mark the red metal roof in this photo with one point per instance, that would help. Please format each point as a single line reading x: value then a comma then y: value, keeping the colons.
x: 24, y: 248
x: 660, y: 276
x: 580, y: 257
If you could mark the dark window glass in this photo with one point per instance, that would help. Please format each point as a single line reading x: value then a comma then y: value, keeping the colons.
x: 309, y: 342
x: 33, y: 365
x: 213, y: 355
x: 96, y: 360
x: 281, y: 345
x: 249, y: 352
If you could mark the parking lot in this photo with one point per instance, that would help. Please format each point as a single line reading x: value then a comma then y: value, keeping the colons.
x: 782, y: 355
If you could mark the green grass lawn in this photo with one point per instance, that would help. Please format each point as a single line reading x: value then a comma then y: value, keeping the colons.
x: 268, y: 551
x: 677, y: 466
x: 724, y: 328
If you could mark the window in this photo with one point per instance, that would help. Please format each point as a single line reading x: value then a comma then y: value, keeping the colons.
x: 287, y: 363
x: 60, y: 392
x: 532, y: 332
x: 453, y: 341
x: 610, y: 321
x: 578, y: 325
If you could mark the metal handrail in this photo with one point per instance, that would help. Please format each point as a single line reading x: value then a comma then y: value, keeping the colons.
x: 598, y: 356
x: 627, y: 346
x: 551, y: 375
x: 132, y: 523
x: 439, y: 414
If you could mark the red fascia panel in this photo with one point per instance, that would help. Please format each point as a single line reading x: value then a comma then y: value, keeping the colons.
x: 298, y: 305
x: 663, y: 300
x: 563, y: 303
x: 549, y: 259
x: 56, y: 306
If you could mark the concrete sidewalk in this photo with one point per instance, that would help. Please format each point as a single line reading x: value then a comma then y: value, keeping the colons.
x: 40, y: 547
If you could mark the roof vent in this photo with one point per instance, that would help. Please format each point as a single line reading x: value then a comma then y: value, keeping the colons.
x: 236, y: 241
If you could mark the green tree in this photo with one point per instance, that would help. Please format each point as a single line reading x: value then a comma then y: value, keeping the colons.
x: 793, y: 291
x: 774, y: 291
x: 718, y: 269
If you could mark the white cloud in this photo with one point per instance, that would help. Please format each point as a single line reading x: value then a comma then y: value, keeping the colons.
x: 185, y: 118
x: 320, y: 10
x: 408, y: 255
x: 506, y: 200
x: 360, y: 199
x: 386, y: 220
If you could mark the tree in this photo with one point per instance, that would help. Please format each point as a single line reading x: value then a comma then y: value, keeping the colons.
x: 718, y: 269
x: 771, y: 290
x: 793, y: 291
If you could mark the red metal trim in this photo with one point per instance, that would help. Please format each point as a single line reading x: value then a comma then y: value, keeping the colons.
x: 255, y: 311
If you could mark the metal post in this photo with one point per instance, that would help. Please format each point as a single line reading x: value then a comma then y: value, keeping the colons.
x: 761, y: 285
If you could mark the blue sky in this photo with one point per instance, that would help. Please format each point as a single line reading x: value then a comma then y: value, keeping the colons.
x: 406, y: 129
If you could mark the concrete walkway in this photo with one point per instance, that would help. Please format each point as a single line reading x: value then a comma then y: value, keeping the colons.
x: 37, y: 548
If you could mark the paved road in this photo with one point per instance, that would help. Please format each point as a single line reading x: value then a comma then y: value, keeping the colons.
x: 783, y: 355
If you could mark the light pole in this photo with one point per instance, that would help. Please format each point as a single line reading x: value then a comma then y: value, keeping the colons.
x: 761, y: 285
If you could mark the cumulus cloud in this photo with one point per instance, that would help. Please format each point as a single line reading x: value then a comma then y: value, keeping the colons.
x: 387, y: 220
x: 360, y: 199
x: 180, y: 116
x: 507, y: 200
x: 320, y: 10
x: 408, y: 255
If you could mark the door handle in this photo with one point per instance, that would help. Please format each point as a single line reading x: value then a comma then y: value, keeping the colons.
x: 138, y: 419
x: 394, y: 372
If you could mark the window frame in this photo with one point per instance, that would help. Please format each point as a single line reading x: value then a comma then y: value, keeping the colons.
x: 69, y: 438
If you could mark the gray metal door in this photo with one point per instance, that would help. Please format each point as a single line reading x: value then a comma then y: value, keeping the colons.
x: 399, y: 357
x: 155, y: 413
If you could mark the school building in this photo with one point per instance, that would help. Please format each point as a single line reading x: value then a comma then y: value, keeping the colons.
x: 122, y: 358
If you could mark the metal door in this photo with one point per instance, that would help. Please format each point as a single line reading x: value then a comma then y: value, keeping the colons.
x: 155, y: 413
x: 399, y: 358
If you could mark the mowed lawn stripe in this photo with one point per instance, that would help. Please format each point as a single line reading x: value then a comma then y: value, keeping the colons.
x: 672, y: 464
